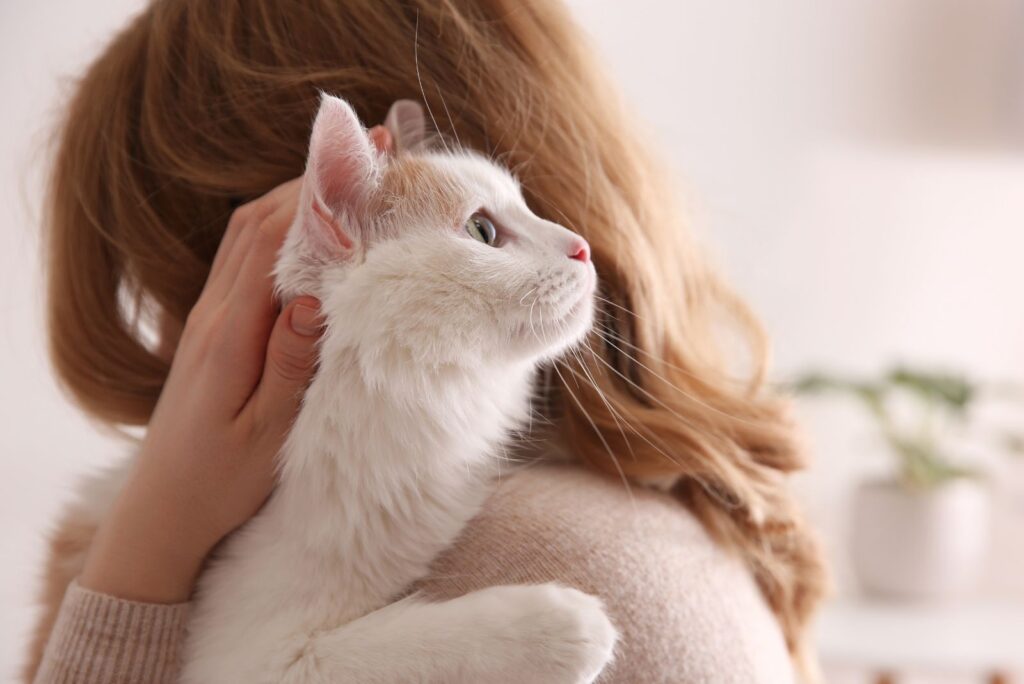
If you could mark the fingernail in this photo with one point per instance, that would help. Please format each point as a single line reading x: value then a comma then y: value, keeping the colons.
x: 306, y: 320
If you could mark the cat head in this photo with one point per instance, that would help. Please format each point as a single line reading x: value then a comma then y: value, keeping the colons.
x: 430, y: 256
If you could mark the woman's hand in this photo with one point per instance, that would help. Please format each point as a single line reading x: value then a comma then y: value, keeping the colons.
x: 236, y: 380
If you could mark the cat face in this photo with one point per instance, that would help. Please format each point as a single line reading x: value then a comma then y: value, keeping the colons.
x: 431, y: 257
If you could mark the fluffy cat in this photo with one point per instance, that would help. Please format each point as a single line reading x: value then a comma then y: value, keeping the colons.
x: 442, y: 293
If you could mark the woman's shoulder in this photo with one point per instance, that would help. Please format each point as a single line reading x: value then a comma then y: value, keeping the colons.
x: 687, y: 609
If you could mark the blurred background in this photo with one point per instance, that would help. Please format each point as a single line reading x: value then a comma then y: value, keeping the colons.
x: 855, y: 166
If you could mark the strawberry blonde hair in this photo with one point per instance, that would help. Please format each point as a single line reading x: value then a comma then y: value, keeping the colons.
x: 198, y: 106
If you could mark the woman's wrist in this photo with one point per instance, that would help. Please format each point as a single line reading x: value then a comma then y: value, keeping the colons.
x: 144, y: 552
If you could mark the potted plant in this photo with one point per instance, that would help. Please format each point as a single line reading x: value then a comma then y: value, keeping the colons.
x: 922, y: 532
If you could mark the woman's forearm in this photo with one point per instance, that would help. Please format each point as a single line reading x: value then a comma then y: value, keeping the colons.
x: 143, y: 551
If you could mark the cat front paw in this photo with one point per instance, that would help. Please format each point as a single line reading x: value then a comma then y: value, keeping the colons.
x: 564, y: 635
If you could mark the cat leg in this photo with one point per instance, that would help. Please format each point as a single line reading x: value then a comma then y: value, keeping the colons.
x: 543, y: 634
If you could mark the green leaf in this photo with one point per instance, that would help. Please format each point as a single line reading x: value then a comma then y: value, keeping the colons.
x: 924, y: 468
x: 948, y: 389
x: 920, y: 459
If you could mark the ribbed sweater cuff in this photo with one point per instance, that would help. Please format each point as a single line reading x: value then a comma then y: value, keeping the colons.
x: 101, y: 639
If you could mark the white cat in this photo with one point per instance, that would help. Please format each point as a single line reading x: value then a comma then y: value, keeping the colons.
x: 442, y: 292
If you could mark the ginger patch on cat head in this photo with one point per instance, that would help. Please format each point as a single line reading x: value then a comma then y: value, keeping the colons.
x: 413, y: 188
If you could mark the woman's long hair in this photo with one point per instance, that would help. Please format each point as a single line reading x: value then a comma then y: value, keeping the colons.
x: 199, y: 105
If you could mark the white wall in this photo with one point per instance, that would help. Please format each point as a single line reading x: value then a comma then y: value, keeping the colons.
x: 858, y: 166
x: 852, y: 162
x: 43, y: 442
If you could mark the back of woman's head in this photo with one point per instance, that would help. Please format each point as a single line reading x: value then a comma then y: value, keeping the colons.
x: 198, y: 106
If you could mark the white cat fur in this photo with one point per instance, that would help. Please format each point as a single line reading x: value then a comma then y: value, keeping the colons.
x: 432, y: 339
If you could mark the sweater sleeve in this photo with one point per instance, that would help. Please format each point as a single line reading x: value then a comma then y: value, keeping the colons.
x: 101, y: 639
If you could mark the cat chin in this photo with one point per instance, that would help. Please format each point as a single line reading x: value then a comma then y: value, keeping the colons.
x: 546, y: 340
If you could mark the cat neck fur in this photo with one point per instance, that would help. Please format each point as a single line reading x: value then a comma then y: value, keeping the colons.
x: 378, y: 478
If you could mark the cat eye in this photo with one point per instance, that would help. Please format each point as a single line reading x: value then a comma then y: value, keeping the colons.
x: 480, y: 228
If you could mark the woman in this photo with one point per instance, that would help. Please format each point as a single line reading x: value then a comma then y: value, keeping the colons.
x: 166, y: 192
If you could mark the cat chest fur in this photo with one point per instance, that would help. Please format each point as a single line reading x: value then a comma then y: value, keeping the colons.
x: 377, y: 481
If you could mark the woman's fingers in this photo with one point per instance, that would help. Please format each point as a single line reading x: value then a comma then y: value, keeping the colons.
x: 290, y: 363
x: 242, y: 226
x: 271, y: 213
x: 237, y: 310
x: 254, y: 278
x: 240, y: 217
x: 250, y: 309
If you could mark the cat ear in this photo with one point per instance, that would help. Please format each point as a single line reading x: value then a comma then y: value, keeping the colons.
x: 406, y: 124
x: 343, y: 166
x: 342, y: 170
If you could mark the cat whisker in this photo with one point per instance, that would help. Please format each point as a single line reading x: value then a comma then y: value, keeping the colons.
x: 604, y: 399
x: 617, y: 306
x: 530, y: 292
x: 533, y: 330
x: 607, y: 402
x: 523, y: 164
x: 526, y: 116
x: 492, y: 148
x: 451, y: 123
x: 600, y: 436
x: 644, y: 391
x: 545, y: 391
x: 567, y: 222
x: 657, y: 375
x: 503, y: 456
x: 712, y: 491
x: 607, y: 334
x: 615, y: 338
x: 419, y: 79
x: 660, y: 449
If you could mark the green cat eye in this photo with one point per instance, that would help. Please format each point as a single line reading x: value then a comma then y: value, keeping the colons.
x: 480, y: 228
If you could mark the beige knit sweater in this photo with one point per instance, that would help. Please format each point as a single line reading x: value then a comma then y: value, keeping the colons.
x: 687, y: 611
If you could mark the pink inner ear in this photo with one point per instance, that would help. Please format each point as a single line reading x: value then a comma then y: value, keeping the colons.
x: 341, y: 174
x: 328, y: 234
x: 342, y: 162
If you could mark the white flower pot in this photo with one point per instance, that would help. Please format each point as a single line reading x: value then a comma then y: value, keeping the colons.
x: 929, y: 544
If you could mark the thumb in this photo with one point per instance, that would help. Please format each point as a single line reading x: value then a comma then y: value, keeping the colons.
x: 291, y: 360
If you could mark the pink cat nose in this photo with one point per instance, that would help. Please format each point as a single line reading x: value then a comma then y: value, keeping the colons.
x: 579, y: 250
